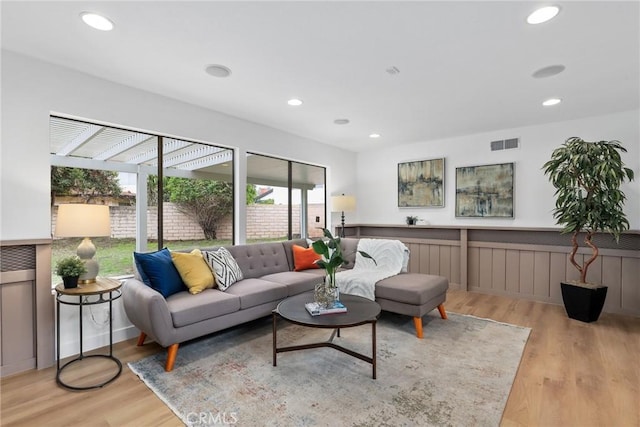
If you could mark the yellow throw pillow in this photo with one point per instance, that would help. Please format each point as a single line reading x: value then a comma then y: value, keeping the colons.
x: 194, y: 271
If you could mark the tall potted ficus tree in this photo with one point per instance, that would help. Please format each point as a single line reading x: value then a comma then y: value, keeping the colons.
x: 587, y: 177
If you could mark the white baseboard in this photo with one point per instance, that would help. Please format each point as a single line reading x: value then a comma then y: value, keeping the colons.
x: 72, y: 348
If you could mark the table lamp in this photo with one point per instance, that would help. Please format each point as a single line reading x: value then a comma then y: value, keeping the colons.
x: 82, y: 220
x: 343, y: 204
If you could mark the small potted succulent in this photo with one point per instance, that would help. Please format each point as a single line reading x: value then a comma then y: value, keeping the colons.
x: 412, y: 220
x: 70, y: 269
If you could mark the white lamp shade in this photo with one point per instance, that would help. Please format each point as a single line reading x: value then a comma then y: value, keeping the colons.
x: 81, y: 220
x: 343, y: 203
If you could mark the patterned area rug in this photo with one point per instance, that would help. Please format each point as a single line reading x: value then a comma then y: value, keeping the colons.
x: 460, y: 374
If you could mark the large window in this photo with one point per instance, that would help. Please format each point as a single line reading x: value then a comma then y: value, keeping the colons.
x: 161, y: 191
x: 176, y: 193
x: 71, y: 185
x: 197, y: 188
x: 289, y: 199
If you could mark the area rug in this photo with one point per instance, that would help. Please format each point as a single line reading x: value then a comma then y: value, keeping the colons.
x: 460, y: 374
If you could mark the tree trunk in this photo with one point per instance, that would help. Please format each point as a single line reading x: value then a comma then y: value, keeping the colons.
x: 574, y: 250
x: 594, y: 255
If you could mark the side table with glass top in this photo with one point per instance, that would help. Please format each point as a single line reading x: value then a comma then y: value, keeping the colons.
x: 103, y: 290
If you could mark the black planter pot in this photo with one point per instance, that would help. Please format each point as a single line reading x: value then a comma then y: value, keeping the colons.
x: 70, y: 282
x: 584, y: 304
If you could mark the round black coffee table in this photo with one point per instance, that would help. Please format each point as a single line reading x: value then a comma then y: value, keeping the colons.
x: 360, y: 311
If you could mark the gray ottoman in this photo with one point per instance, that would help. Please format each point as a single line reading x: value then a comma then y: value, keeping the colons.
x: 413, y: 294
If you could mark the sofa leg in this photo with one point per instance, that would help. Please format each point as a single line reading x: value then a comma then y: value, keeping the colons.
x: 417, y: 321
x: 141, y: 339
x: 172, y: 352
x: 443, y: 313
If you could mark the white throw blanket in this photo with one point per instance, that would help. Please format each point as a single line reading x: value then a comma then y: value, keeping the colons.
x: 361, y: 280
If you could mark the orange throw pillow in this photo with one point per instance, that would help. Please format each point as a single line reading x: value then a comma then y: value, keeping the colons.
x: 304, y: 258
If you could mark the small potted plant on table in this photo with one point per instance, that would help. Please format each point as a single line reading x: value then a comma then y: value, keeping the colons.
x: 587, y: 177
x: 412, y: 220
x: 70, y: 269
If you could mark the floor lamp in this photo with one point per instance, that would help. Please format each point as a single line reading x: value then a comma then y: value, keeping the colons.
x: 343, y: 204
x: 82, y: 220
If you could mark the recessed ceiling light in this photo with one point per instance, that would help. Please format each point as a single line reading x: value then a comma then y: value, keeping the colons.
x: 294, y: 102
x: 96, y: 21
x: 549, y: 71
x: 341, y: 121
x: 374, y: 135
x: 393, y: 70
x: 218, y: 70
x: 543, y: 14
x: 552, y: 101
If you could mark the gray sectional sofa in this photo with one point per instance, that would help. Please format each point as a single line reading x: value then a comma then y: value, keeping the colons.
x: 268, y: 278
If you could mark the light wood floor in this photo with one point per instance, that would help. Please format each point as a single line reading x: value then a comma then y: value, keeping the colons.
x: 571, y: 374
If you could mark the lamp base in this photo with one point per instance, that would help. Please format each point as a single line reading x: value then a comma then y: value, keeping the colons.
x: 86, y: 250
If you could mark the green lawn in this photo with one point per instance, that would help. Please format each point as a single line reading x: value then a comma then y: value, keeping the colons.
x: 116, y: 255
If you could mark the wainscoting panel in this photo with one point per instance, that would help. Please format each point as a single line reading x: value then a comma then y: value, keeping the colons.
x: 26, y: 306
x: 18, y: 338
x: 435, y: 259
x: 630, y: 284
x: 499, y: 270
x: 455, y: 276
x: 527, y: 268
x: 557, y: 273
x: 473, y: 268
x: 526, y: 263
x: 541, y: 274
x: 429, y: 258
x: 444, y: 259
x: 512, y: 271
x: 612, y: 273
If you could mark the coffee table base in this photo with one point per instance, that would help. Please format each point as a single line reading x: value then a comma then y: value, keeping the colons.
x: 328, y: 343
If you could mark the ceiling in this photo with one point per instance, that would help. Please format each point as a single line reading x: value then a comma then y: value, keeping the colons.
x: 464, y: 67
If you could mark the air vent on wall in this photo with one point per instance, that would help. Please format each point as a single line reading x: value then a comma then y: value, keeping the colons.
x: 497, y: 145
x: 511, y: 143
x: 505, y: 144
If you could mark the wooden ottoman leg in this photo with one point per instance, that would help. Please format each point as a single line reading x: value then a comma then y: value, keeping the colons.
x: 417, y: 321
x: 172, y: 352
x: 141, y: 339
x: 443, y: 313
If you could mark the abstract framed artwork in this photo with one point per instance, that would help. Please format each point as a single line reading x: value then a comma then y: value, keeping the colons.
x: 485, y: 191
x: 421, y: 184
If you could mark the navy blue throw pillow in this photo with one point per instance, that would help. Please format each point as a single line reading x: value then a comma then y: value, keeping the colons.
x: 157, y: 271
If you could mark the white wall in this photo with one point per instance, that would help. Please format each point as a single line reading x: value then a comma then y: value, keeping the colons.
x: 32, y: 90
x: 377, y: 171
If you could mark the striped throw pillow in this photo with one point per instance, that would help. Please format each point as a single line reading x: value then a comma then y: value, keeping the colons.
x: 224, y: 266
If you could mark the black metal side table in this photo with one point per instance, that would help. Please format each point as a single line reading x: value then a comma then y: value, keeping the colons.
x: 103, y: 290
x: 360, y: 311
